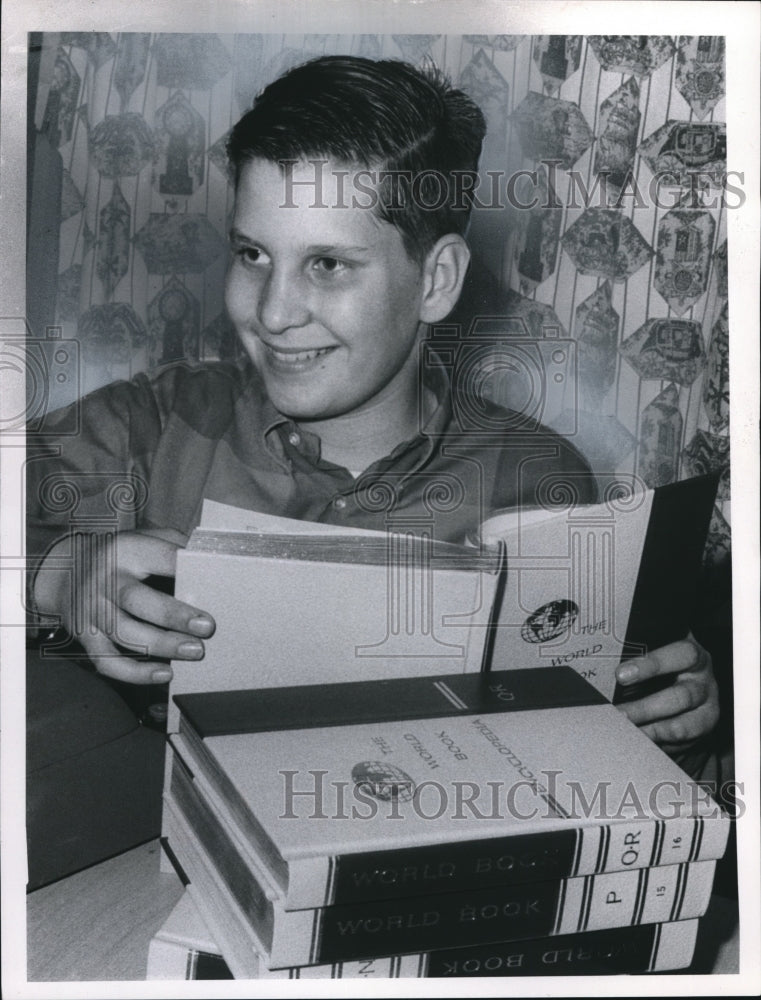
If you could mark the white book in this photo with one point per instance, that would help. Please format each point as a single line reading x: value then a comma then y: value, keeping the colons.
x: 297, y: 602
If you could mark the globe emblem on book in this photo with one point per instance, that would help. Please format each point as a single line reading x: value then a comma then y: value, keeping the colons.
x: 383, y: 781
x: 549, y: 621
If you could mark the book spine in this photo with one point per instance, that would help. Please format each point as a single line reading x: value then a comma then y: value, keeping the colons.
x: 348, y: 703
x: 376, y: 928
x: 622, y: 899
x: 628, y: 950
x: 662, y: 948
x: 639, y: 949
x: 513, y: 860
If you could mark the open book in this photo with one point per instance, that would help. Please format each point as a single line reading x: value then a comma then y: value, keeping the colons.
x: 295, y: 601
x: 299, y: 602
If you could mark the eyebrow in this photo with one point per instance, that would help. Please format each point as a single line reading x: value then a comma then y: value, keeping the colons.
x: 236, y: 236
x: 327, y: 250
x: 316, y: 250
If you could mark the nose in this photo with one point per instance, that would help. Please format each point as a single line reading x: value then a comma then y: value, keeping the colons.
x: 283, y: 302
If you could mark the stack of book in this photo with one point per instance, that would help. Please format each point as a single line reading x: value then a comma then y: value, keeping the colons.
x: 501, y: 823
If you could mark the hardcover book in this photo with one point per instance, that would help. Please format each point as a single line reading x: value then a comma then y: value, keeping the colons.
x: 183, y: 949
x: 585, y: 586
x: 387, y: 789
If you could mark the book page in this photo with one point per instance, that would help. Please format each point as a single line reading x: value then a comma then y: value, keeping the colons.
x: 223, y: 517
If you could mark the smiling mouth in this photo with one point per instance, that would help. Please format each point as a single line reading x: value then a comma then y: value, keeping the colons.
x: 294, y: 357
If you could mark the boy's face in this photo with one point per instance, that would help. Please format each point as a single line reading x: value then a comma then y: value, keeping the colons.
x: 325, y: 300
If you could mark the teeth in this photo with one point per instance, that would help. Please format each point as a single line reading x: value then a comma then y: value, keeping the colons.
x: 301, y: 356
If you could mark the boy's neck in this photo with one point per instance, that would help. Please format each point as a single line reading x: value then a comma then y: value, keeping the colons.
x: 355, y: 440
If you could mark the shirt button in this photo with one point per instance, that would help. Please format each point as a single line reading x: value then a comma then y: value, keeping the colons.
x: 339, y: 503
x: 294, y: 438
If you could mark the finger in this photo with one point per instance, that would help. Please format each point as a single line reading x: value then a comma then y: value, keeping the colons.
x: 143, y: 639
x: 142, y: 601
x: 145, y: 555
x: 684, y: 696
x: 111, y: 662
x: 677, y: 657
x: 679, y: 731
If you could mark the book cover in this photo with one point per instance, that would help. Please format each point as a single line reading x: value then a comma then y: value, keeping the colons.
x: 423, y: 924
x: 590, y: 586
x: 389, y: 788
x: 175, y: 954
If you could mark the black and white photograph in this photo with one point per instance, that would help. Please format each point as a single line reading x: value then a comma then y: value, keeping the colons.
x: 379, y: 441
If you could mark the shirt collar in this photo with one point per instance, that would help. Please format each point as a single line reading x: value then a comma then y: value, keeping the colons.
x: 285, y: 440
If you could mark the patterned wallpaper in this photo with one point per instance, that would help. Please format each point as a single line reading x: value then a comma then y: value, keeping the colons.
x: 635, y: 290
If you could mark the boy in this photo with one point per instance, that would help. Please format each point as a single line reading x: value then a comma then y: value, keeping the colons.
x: 352, y: 181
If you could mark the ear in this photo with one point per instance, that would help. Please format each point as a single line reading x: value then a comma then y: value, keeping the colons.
x: 444, y: 271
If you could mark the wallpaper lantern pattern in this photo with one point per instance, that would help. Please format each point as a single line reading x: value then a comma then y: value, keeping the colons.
x: 617, y: 142
x: 111, y: 334
x: 113, y: 245
x: 173, y: 324
x: 708, y: 452
x: 639, y: 54
x: 415, y: 48
x: 659, y: 439
x: 121, y: 145
x: 551, y: 129
x: 72, y: 201
x: 538, y: 242
x: 483, y: 82
x: 172, y: 244
x: 195, y: 62
x: 666, y: 348
x: 502, y: 43
x: 716, y: 385
x: 635, y: 292
x: 180, y: 140
x: 58, y: 120
x: 700, y: 72
x: 131, y: 64
x: 603, y: 242
x: 596, y: 333
x: 99, y: 45
x: 558, y: 58
x: 685, y: 242
x: 681, y: 149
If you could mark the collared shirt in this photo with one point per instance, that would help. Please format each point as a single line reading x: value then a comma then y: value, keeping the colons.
x: 145, y: 454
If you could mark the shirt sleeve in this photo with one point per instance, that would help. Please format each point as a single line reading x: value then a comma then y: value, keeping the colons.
x: 88, y: 465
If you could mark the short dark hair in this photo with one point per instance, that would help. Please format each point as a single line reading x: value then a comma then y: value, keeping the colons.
x: 376, y: 114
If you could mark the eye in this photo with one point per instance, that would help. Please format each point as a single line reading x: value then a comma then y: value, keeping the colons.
x: 250, y: 255
x: 330, y: 265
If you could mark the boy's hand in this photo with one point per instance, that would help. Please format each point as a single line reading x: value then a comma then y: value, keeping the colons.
x: 116, y: 616
x: 678, y: 716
